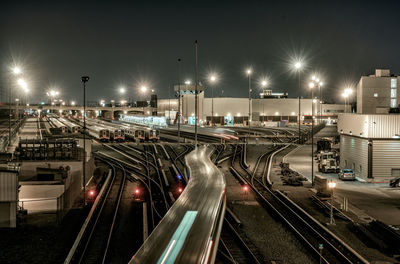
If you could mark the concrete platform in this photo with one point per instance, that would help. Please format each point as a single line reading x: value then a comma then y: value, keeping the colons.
x: 367, y: 200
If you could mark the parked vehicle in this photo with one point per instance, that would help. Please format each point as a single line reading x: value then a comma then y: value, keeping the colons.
x: 327, y: 162
x: 324, y: 145
x: 347, y: 174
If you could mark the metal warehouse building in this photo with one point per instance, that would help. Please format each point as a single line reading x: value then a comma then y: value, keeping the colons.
x: 370, y: 145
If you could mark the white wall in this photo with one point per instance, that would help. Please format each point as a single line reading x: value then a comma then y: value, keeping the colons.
x: 371, y: 126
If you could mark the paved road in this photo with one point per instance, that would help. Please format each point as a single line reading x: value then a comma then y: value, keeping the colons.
x: 371, y: 199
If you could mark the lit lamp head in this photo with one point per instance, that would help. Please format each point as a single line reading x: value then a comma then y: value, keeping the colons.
x: 298, y: 65
x: 143, y: 89
x: 249, y: 71
x: 331, y: 185
x: 187, y: 82
x: 264, y: 83
x: 16, y: 70
x: 122, y: 90
x: 311, y: 85
x: 213, y: 78
x: 345, y: 95
x: 348, y: 91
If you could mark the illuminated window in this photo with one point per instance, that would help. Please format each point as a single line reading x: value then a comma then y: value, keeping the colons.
x: 393, y: 103
x: 393, y: 93
x: 375, y: 94
x: 393, y: 83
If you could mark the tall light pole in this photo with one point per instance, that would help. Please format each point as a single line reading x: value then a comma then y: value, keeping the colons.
x: 320, y: 101
x: 143, y: 89
x: 345, y: 95
x: 85, y: 79
x: 195, y: 94
x: 298, y: 67
x: 349, y: 92
x: 311, y: 85
x: 264, y: 84
x: 16, y: 71
x: 249, y: 72
x: 213, y: 79
x: 315, y: 82
x: 179, y: 100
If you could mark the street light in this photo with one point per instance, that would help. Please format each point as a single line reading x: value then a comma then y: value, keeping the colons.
x: 249, y: 72
x: 16, y: 70
x: 315, y: 82
x: 264, y: 84
x: 349, y: 92
x: 298, y: 65
x: 213, y: 79
x: 85, y: 79
x: 345, y: 95
x: 188, y: 82
x: 122, y: 90
x: 331, y: 185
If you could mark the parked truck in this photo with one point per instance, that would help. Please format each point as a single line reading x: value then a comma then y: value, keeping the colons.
x: 327, y: 162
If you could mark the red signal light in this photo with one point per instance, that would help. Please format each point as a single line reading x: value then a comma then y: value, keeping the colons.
x: 180, y: 190
x: 91, y: 193
x: 137, y: 191
x: 245, y: 188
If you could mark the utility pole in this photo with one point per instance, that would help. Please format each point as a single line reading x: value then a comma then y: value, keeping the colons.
x: 85, y: 79
x: 195, y: 97
x: 299, y: 109
x: 312, y: 137
x: 179, y: 100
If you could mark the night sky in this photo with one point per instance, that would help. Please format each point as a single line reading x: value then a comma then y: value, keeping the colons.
x: 129, y: 43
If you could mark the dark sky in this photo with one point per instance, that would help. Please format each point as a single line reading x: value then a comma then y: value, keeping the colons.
x: 126, y: 43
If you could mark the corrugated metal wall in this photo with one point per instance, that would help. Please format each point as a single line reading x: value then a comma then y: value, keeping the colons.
x: 369, y: 126
x: 386, y: 156
x: 8, y: 186
x: 354, y: 150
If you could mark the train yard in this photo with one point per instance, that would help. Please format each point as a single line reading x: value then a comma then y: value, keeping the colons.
x: 138, y: 206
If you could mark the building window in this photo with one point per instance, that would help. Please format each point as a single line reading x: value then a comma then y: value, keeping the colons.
x: 375, y: 94
x: 393, y: 93
x: 393, y: 83
x: 393, y: 102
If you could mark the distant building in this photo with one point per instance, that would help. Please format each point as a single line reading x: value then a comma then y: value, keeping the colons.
x: 235, y: 111
x: 377, y: 93
x: 270, y: 94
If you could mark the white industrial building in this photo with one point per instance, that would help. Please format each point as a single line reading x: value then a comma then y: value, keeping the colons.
x: 235, y: 111
x: 8, y: 197
x: 370, y: 145
x: 377, y: 93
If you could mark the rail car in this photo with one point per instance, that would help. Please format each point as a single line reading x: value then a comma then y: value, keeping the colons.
x: 147, y: 135
x: 104, y: 135
x: 59, y: 128
x: 72, y: 128
x: 118, y: 135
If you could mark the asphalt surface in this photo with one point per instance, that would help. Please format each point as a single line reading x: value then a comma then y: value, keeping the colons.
x: 368, y: 200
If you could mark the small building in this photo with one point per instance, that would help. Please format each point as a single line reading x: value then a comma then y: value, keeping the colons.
x: 370, y: 145
x: 377, y: 93
x: 8, y: 197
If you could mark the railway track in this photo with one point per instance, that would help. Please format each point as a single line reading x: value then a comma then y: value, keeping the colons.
x: 93, y: 245
x: 237, y: 248
x: 307, y: 229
